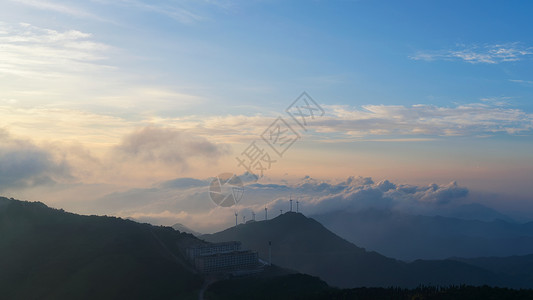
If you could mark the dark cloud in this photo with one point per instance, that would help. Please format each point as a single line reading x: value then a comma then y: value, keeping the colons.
x: 166, y: 145
x: 184, y: 183
x: 24, y: 164
x: 248, y: 177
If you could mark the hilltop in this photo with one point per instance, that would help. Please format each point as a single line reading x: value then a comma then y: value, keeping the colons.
x: 47, y: 253
x: 51, y: 254
x: 303, y: 244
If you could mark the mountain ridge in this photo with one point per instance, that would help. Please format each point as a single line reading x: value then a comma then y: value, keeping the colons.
x: 47, y: 253
x: 408, y: 237
x: 305, y: 245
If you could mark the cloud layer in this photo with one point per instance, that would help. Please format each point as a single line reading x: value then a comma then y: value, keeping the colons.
x: 488, y: 54
x: 169, y: 146
x: 427, y: 120
x: 186, y: 200
x: 32, y: 51
x: 24, y: 164
x: 395, y: 122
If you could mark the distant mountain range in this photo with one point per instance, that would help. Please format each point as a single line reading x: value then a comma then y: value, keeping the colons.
x: 182, y: 228
x: 303, y: 244
x: 409, y: 237
x: 47, y: 253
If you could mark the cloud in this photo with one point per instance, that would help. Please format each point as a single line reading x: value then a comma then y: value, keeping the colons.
x: 381, y: 123
x: 24, y: 164
x: 525, y: 82
x: 488, y: 54
x: 424, y: 120
x: 184, y: 183
x: 362, y: 193
x: 175, y: 10
x: 184, y: 12
x: 58, y: 7
x: 433, y: 193
x: 37, y: 52
x: 169, y: 146
x: 186, y: 200
x: 44, y: 123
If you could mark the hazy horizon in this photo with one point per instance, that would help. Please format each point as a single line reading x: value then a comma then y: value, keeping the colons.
x: 105, y: 104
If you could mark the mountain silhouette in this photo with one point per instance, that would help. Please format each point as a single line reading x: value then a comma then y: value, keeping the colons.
x: 303, y: 244
x: 182, y: 228
x: 47, y: 253
x: 408, y: 237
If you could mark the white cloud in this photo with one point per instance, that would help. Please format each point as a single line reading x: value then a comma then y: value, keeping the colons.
x: 36, y: 52
x: 185, y: 12
x: 526, y: 82
x: 57, y: 7
x: 391, y: 123
x: 489, y: 54
x: 173, y: 11
x: 46, y: 124
x: 422, y: 119
x: 43, y: 68
x: 190, y: 204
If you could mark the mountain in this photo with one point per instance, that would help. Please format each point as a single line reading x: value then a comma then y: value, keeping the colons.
x: 475, y: 211
x: 182, y: 228
x: 520, y: 267
x: 47, y: 253
x: 303, y: 244
x: 50, y: 254
x: 408, y: 237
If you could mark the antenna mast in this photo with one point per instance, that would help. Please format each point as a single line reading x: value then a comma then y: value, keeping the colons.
x: 297, y: 208
x: 281, y: 211
x: 236, y: 214
x: 290, y: 202
x: 266, y: 216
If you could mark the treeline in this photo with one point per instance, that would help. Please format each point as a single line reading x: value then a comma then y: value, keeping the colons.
x: 299, y: 286
x: 428, y: 293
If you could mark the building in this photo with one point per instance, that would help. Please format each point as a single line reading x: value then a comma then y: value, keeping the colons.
x: 216, y: 263
x: 209, y: 249
x: 222, y: 257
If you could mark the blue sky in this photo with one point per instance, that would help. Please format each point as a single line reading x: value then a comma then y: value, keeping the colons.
x: 343, y: 52
x: 415, y: 91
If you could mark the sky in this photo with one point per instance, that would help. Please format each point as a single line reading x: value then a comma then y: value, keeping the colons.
x: 100, y: 99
